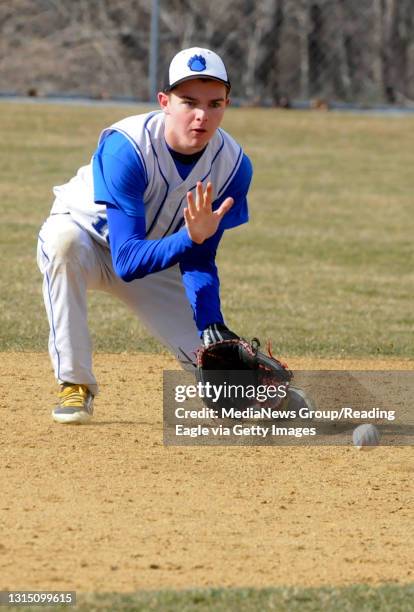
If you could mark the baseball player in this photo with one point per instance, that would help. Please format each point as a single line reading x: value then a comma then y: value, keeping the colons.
x: 143, y: 221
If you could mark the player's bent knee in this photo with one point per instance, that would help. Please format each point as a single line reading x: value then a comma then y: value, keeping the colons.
x: 68, y: 244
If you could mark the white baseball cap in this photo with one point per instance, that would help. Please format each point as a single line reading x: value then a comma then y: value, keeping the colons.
x: 196, y: 63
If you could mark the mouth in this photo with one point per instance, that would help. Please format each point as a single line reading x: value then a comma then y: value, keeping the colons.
x: 199, y: 130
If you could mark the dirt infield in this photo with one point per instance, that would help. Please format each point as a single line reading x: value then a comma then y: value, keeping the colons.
x: 106, y: 507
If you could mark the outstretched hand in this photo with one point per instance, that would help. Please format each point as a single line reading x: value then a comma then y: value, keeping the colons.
x: 200, y: 219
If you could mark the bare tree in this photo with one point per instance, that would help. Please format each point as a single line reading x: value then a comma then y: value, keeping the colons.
x: 262, y: 72
x: 351, y: 50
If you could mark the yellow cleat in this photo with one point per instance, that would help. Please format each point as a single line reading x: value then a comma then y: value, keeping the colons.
x: 75, y: 404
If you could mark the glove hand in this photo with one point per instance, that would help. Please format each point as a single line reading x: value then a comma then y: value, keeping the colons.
x: 217, y: 332
x: 234, y: 362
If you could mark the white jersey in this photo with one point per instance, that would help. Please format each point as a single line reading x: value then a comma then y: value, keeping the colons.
x: 165, y: 194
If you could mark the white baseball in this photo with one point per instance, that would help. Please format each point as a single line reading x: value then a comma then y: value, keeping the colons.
x: 366, y: 437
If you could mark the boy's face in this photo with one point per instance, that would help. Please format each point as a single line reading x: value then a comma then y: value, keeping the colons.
x: 193, y: 112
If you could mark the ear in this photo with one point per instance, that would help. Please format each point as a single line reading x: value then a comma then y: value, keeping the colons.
x: 163, y: 100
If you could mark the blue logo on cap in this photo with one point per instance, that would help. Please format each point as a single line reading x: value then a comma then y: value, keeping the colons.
x: 197, y: 63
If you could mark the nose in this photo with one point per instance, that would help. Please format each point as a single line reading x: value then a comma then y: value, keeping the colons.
x: 201, y: 115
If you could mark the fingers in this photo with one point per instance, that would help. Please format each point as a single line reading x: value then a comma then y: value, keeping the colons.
x: 225, y: 207
x: 203, y: 203
x: 200, y: 198
x: 208, y: 196
x: 187, y: 216
x: 191, y: 226
x: 203, y: 200
x: 192, y: 209
x: 199, y: 195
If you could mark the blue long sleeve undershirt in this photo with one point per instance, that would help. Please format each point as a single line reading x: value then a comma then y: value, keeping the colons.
x: 134, y: 257
x: 119, y: 183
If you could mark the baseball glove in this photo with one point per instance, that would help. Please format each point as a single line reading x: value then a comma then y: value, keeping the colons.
x: 248, y: 377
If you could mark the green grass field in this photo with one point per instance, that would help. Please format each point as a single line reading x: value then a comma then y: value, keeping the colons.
x: 360, y: 598
x: 324, y: 268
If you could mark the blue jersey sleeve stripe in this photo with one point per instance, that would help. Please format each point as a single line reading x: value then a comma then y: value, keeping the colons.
x: 179, y: 225
x: 157, y: 214
x: 138, y: 150
x: 214, y: 159
x: 219, y: 149
x: 174, y: 217
x: 232, y: 173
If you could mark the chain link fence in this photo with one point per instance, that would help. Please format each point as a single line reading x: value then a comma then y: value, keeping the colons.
x: 277, y: 51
